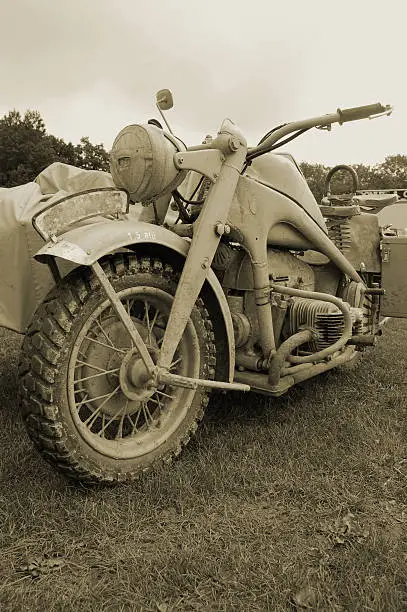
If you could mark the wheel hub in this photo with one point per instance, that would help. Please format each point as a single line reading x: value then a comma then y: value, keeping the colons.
x: 135, y: 380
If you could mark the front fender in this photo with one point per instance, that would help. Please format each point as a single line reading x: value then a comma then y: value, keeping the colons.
x: 86, y: 244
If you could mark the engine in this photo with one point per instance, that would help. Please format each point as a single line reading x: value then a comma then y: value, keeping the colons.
x: 290, y: 315
x: 323, y: 317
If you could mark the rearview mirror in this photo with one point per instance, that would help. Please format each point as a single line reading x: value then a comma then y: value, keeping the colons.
x: 164, y: 99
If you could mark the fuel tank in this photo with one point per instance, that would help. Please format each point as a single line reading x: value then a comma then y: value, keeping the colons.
x: 280, y: 172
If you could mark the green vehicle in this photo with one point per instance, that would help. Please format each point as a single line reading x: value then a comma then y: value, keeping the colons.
x: 251, y: 287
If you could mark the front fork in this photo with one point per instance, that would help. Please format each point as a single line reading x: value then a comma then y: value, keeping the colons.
x: 206, y: 237
x: 207, y: 233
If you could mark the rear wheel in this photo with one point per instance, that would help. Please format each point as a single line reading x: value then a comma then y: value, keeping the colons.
x: 80, y: 401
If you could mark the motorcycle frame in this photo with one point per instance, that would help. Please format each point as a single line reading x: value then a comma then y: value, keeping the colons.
x: 227, y: 206
x: 225, y: 209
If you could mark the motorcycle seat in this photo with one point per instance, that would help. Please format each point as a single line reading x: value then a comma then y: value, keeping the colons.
x: 375, y: 200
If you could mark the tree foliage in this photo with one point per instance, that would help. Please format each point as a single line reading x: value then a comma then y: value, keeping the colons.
x: 315, y: 175
x: 392, y: 173
x: 26, y: 149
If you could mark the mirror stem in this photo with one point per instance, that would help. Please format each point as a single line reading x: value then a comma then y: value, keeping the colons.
x: 165, y: 120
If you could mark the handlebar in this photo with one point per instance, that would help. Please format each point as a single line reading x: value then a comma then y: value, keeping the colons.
x: 362, y: 112
x: 324, y: 121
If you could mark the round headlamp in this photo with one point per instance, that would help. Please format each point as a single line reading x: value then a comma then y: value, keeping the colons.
x: 141, y: 162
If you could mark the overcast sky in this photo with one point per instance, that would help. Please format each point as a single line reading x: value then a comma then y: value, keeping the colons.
x: 93, y: 66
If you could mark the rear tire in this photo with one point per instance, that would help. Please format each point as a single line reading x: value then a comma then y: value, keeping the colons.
x: 76, y: 405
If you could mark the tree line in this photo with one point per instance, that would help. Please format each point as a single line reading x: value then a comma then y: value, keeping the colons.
x: 26, y: 149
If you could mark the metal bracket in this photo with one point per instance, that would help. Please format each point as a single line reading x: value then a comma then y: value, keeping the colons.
x: 193, y: 383
x: 207, y: 162
x: 386, y: 254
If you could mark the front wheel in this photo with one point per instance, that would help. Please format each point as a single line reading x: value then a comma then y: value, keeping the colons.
x: 79, y: 401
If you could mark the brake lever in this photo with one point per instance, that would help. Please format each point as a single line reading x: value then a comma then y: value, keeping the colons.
x: 387, y: 112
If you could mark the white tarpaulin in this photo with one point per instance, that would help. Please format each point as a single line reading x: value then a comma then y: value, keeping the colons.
x: 23, y: 281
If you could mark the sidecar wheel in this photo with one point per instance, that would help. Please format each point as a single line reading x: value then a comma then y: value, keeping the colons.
x: 78, y: 402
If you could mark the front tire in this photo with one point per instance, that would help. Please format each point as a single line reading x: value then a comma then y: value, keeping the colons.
x: 79, y: 406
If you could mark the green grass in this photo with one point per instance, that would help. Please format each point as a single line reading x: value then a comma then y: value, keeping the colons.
x: 300, y: 499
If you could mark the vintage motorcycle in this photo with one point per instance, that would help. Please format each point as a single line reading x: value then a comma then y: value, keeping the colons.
x: 252, y: 286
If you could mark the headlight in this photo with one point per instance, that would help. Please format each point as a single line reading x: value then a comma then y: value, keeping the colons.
x: 141, y: 162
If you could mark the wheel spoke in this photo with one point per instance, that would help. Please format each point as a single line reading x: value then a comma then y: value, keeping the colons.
x: 131, y: 421
x: 143, y: 407
x: 164, y: 394
x: 174, y: 363
x: 135, y: 424
x: 128, y: 307
x: 104, y: 333
x: 90, y: 365
x: 83, y: 401
x: 114, y: 417
x: 146, y: 317
x: 110, y: 347
x: 156, y: 401
x: 147, y: 415
x: 98, y: 374
x: 119, y: 434
x: 92, y: 419
x: 93, y: 399
x: 103, y: 426
x: 99, y: 408
x: 153, y: 322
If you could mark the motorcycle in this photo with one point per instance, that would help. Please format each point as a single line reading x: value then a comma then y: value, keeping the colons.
x: 251, y: 286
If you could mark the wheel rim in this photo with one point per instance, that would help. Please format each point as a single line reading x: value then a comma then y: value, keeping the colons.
x: 115, y: 421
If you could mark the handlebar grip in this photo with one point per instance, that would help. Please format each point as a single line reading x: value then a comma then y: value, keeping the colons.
x: 361, y: 112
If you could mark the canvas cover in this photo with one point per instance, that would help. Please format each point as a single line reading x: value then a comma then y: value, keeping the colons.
x: 24, y: 282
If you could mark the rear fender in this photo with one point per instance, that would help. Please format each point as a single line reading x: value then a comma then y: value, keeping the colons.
x: 88, y: 243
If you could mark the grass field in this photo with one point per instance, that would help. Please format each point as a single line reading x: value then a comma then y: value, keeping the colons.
x: 295, y: 503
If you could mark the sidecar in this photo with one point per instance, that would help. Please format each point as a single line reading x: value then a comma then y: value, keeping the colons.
x: 24, y: 282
